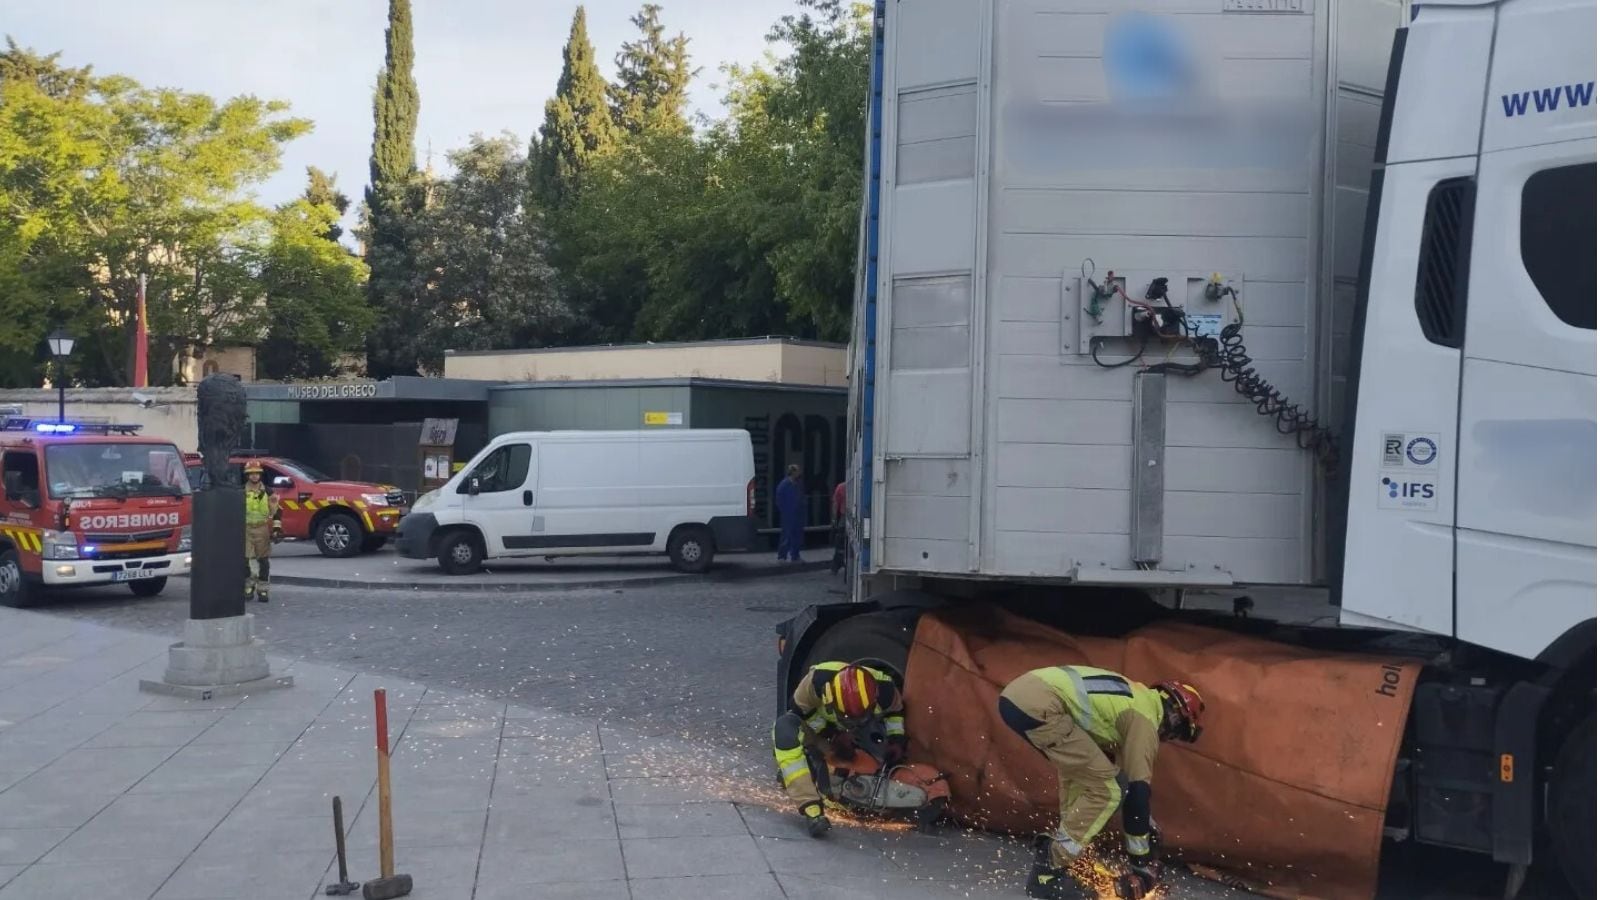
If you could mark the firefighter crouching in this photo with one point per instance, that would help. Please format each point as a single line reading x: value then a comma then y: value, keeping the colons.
x: 833, y: 700
x: 260, y: 529
x: 1079, y: 717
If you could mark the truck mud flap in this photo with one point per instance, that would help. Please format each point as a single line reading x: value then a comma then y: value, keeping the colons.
x: 1285, y: 793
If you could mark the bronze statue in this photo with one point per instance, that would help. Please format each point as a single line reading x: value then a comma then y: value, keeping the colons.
x: 221, y: 415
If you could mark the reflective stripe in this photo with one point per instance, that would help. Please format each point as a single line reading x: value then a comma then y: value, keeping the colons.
x: 1138, y: 844
x: 367, y: 519
x: 894, y: 726
x: 289, y: 504
x: 817, y: 721
x: 793, y: 771
x: 1069, y: 846
x: 1105, y: 814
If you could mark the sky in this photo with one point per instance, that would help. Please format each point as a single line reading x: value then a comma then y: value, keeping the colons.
x: 481, y: 65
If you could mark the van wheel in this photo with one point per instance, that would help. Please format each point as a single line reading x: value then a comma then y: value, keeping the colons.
x: 338, y: 535
x: 460, y: 553
x: 691, y: 549
x: 1572, y: 793
x: 14, y: 588
x: 148, y: 587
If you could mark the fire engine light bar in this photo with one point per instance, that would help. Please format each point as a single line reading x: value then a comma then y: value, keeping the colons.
x: 54, y: 427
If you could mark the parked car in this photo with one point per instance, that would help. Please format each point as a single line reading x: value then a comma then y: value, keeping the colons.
x: 343, y: 518
x: 688, y: 493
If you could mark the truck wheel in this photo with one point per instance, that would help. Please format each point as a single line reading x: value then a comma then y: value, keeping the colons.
x: 1572, y: 808
x: 149, y: 587
x: 691, y: 549
x: 460, y: 553
x: 879, y: 639
x: 338, y: 535
x: 14, y: 588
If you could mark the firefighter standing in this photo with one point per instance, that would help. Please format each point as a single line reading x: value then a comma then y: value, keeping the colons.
x: 833, y: 702
x: 1079, y: 716
x: 260, y: 516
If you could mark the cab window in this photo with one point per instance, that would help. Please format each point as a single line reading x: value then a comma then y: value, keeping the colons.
x: 1558, y: 240
x: 19, y: 476
x: 504, y: 469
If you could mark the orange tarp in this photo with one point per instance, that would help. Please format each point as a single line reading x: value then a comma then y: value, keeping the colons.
x: 1284, y: 793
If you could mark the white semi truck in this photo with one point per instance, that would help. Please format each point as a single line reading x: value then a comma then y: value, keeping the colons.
x: 1178, y: 296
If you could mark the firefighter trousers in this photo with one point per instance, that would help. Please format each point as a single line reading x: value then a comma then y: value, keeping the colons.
x: 257, y: 559
x: 1086, y: 778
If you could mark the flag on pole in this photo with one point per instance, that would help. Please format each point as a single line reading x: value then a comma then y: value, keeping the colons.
x: 141, y: 344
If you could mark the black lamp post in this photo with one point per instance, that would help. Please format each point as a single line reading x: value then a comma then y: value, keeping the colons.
x: 61, y: 347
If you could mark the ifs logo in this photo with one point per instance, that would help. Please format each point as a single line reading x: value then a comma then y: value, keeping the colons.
x: 1397, y: 493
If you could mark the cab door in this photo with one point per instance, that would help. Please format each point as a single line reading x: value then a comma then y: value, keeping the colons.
x: 295, y: 503
x: 1525, y: 525
x: 497, y: 496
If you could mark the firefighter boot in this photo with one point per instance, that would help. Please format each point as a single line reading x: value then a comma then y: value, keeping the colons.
x: 265, y: 580
x: 1046, y: 882
x: 817, y: 824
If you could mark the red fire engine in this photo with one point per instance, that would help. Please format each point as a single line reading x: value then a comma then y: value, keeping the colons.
x: 89, y: 503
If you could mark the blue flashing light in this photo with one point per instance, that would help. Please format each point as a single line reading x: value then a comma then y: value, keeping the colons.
x: 55, y: 428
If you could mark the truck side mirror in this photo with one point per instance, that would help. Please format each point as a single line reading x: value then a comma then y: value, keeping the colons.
x: 474, y: 486
x: 282, y: 481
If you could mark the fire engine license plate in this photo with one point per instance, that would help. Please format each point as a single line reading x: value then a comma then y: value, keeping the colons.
x: 133, y: 574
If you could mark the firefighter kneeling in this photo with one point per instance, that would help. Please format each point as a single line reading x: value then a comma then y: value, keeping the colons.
x: 847, y: 720
x: 261, y: 528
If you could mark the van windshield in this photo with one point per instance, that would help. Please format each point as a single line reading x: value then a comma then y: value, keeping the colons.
x: 115, y: 470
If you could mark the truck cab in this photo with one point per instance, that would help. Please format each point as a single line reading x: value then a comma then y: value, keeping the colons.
x: 87, y: 504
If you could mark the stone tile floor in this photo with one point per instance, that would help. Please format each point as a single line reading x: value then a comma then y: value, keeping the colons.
x: 109, y: 792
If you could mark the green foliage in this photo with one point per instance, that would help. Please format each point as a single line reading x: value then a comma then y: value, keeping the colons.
x: 102, y: 179
x: 653, y: 76
x: 577, y: 123
x: 394, y: 199
x: 750, y: 228
x: 489, y: 285
x: 395, y: 103
x: 313, y: 289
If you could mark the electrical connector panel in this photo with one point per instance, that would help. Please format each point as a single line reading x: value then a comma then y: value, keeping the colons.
x: 1204, y: 304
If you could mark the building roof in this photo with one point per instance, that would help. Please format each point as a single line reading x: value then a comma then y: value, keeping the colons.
x: 654, y: 345
x: 400, y: 387
x: 720, y: 383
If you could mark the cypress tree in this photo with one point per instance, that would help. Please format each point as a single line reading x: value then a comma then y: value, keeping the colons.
x: 393, y: 204
x: 652, y: 78
x: 321, y: 191
x: 394, y: 104
x: 577, y: 123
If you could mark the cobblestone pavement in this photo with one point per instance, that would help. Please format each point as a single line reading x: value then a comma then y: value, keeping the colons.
x: 694, y: 661
x: 687, y: 662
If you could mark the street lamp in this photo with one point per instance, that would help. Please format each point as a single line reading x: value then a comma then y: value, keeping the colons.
x: 61, y: 347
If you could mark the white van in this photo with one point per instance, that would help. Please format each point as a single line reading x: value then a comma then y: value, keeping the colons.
x: 686, y: 492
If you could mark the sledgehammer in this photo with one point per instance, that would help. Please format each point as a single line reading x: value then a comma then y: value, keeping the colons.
x: 388, y: 885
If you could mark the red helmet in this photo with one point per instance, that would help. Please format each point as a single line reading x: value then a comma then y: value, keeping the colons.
x: 852, y: 694
x: 1182, y: 706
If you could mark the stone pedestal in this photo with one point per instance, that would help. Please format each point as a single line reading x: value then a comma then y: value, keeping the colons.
x: 217, y: 658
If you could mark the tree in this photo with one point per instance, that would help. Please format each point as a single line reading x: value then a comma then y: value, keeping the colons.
x: 320, y: 191
x: 794, y: 144
x: 313, y: 288
x: 577, y: 122
x: 393, y: 201
x: 653, y: 76
x: 489, y: 285
x: 102, y: 180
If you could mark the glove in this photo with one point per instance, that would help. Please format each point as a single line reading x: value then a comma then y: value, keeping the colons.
x: 1140, y: 880
x: 817, y: 824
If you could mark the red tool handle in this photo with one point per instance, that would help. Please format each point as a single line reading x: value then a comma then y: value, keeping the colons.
x: 381, y: 703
